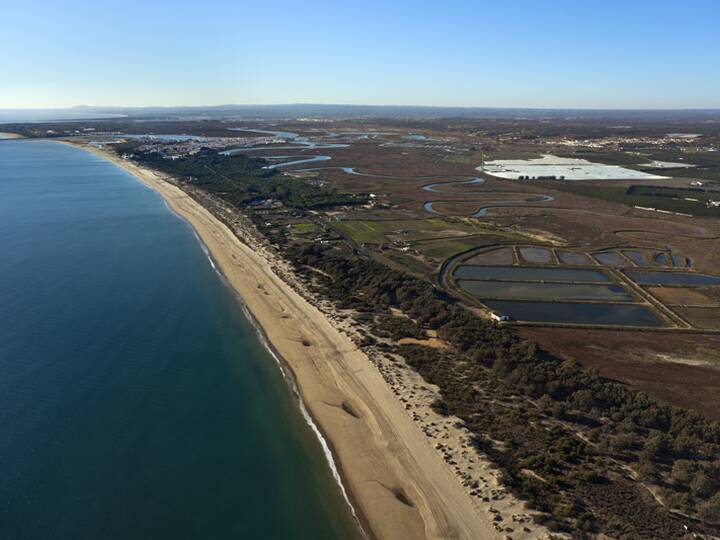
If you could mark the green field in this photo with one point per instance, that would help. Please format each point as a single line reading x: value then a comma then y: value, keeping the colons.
x: 673, y: 193
x: 406, y: 263
x: 407, y: 230
x: 439, y: 250
x: 616, y: 158
x: 304, y: 228
x: 429, y: 241
x: 646, y: 196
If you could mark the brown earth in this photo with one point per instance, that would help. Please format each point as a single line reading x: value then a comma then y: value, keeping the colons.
x: 678, y: 369
x: 701, y: 317
x: 686, y: 295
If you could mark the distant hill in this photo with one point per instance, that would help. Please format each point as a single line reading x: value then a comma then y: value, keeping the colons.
x: 351, y: 111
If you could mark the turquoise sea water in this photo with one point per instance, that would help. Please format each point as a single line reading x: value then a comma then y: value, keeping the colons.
x: 136, y: 401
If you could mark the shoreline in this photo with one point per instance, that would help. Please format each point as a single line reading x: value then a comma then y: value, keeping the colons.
x: 285, y: 369
x: 287, y: 374
x: 396, y: 483
x: 8, y: 136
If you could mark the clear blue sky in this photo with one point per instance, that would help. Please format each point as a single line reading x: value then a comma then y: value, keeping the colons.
x: 512, y: 53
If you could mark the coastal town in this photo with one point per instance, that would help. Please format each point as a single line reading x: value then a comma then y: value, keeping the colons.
x: 330, y: 208
x: 379, y: 271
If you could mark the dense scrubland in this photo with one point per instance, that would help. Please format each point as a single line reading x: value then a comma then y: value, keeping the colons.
x: 683, y: 200
x: 243, y: 181
x: 589, y: 454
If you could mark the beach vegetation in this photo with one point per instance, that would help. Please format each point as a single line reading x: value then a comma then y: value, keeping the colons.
x: 245, y: 182
x: 576, y: 432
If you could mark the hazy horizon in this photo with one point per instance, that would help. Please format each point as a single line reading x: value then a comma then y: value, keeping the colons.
x: 348, y: 105
x: 565, y: 55
x: 344, y: 111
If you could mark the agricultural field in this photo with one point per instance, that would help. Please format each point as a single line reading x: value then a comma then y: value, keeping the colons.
x: 669, y: 199
x: 680, y: 369
x: 386, y: 232
x: 304, y: 228
x: 704, y: 296
x: 418, y: 231
x: 397, y: 223
x: 705, y: 318
x: 424, y: 243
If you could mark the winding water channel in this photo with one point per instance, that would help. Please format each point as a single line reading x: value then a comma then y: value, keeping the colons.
x: 299, y: 142
x: 581, y: 296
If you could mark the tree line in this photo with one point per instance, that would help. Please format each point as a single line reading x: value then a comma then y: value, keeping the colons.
x: 578, y: 433
x: 242, y: 181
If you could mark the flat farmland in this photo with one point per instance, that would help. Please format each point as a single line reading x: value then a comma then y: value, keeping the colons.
x: 387, y: 231
x: 707, y: 318
x: 679, y: 369
x: 687, y: 295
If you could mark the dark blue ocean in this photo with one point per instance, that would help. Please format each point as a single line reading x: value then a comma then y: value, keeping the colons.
x: 136, y: 401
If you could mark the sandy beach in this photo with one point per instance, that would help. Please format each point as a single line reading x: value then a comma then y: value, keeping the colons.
x: 397, y: 473
x: 6, y: 135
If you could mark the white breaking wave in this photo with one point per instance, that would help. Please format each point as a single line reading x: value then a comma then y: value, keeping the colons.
x: 288, y: 376
x: 206, y: 251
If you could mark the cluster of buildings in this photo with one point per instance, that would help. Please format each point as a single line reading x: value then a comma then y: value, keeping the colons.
x: 175, y: 149
x: 617, y: 141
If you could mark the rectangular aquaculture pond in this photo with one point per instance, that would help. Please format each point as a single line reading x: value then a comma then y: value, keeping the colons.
x: 610, y: 258
x: 573, y: 257
x: 576, y: 313
x: 522, y: 290
x: 522, y: 273
x: 672, y: 278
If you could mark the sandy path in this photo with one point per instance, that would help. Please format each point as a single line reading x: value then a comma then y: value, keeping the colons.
x: 398, y: 482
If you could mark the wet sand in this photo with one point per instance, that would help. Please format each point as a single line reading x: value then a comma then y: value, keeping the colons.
x: 398, y: 479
